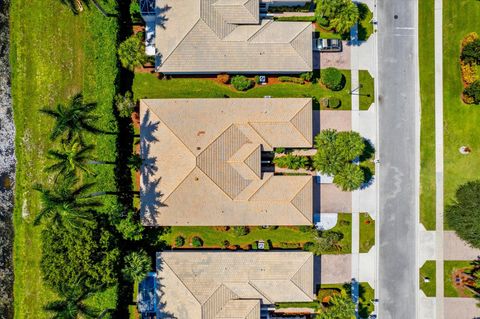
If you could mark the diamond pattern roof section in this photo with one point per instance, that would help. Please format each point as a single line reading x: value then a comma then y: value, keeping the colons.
x: 303, y: 45
x: 240, y: 309
x: 254, y: 161
x: 303, y: 201
x: 217, y: 302
x: 213, y: 162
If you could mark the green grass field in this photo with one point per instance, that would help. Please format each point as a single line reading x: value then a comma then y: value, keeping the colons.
x: 149, y: 86
x: 449, y: 267
x: 427, y: 130
x: 461, y: 121
x: 54, y: 54
x: 367, y: 232
x: 428, y: 270
x: 214, y: 238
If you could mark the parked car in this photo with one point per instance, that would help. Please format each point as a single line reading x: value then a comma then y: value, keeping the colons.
x: 327, y: 45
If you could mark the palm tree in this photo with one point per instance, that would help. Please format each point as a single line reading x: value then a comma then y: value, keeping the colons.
x: 135, y: 161
x: 345, y: 18
x: 350, y: 178
x: 137, y: 265
x: 72, y: 120
x: 72, y: 158
x: 66, y: 204
x: 72, y: 305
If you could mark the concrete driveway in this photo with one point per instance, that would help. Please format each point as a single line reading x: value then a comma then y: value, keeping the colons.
x: 339, y: 60
x: 455, y: 248
x: 338, y: 120
x: 335, y: 269
x: 333, y: 200
x: 460, y: 308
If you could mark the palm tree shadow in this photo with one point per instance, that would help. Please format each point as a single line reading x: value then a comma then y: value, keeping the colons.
x: 147, y: 128
x: 161, y: 16
x: 159, y: 293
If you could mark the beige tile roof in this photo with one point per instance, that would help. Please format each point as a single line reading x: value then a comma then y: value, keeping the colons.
x: 202, y: 162
x: 221, y: 285
x: 212, y: 36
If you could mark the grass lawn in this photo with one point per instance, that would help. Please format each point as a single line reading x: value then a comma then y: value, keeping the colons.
x: 147, y: 85
x: 449, y: 267
x: 428, y: 270
x: 461, y: 121
x: 367, y: 232
x: 366, y: 81
x: 427, y: 130
x: 213, y: 237
x: 54, y: 54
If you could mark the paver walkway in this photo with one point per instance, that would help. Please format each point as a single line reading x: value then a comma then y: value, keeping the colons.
x: 461, y: 308
x: 456, y: 249
x: 439, y: 158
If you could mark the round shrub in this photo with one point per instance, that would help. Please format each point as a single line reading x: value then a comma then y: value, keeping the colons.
x: 225, y: 244
x: 473, y: 92
x: 350, y: 178
x: 179, y: 241
x: 334, y: 102
x: 241, y: 83
x: 333, y: 79
x: 197, y: 242
x: 223, y: 78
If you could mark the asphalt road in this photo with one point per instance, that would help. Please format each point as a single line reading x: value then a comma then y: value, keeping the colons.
x: 397, y: 287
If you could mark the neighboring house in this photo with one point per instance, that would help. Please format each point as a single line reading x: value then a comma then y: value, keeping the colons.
x: 203, y: 162
x: 225, y: 285
x: 215, y: 36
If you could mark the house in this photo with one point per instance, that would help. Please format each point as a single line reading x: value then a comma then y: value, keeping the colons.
x: 206, y: 162
x: 222, y: 285
x: 215, y: 36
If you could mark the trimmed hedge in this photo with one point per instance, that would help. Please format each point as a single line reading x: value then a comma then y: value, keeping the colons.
x: 197, y: 242
x: 290, y: 79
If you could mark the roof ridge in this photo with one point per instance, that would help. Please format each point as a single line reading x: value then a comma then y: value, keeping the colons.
x: 258, y: 189
x: 246, y: 161
x: 260, y: 292
x: 300, y: 268
x: 251, y: 310
x: 215, y: 290
x: 258, y: 133
x: 164, y: 59
x: 183, y: 283
x: 167, y: 126
x: 261, y: 29
x: 296, y: 128
x: 293, y: 198
x: 295, y: 38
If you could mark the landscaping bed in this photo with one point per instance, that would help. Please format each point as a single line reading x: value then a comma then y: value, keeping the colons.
x: 149, y: 86
x: 452, y: 269
x: 273, y: 237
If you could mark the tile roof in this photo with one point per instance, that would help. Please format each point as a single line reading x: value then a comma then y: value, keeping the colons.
x: 221, y: 285
x: 213, y: 36
x: 202, y: 162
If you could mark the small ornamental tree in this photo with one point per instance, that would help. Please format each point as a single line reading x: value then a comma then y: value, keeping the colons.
x: 350, y: 144
x: 241, y: 83
x: 125, y: 104
x: 137, y: 265
x: 473, y: 92
x: 471, y: 52
x: 131, y: 52
x: 464, y: 213
x: 351, y: 177
x: 197, y: 242
x: 345, y: 18
x: 179, y: 241
x: 332, y: 78
x: 130, y: 227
